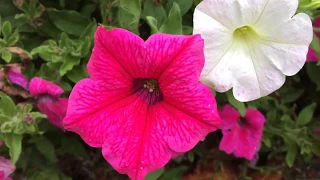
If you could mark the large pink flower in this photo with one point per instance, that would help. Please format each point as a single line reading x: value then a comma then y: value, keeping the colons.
x: 143, y: 103
x: 241, y: 136
x: 49, y: 101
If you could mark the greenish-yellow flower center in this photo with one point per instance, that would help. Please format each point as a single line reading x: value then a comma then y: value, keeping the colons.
x: 244, y: 33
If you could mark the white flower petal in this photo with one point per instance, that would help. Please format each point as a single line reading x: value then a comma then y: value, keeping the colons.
x: 296, y: 30
x: 233, y: 13
x: 216, y: 44
x: 250, y: 73
x: 275, y: 12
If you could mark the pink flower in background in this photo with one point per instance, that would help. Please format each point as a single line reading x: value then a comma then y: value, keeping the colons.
x: 241, y: 136
x: 316, y: 24
x: 143, y: 103
x: 49, y: 101
x: 312, y: 56
x: 6, y: 168
x: 16, y: 77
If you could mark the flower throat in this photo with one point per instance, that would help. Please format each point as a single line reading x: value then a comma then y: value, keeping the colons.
x: 147, y: 89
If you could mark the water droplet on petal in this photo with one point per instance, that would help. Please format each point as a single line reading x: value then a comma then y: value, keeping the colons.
x: 127, y: 164
x: 141, y: 168
x: 142, y: 162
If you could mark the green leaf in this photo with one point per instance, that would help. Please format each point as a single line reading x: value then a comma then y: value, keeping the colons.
x: 191, y: 156
x: 235, y: 103
x: 313, y: 72
x: 46, y: 148
x: 6, y: 56
x: 175, y: 173
x: 292, y: 153
x: 129, y: 14
x: 13, y: 39
x: 4, y: 118
x: 155, y: 11
x: 13, y: 141
x: 6, y: 30
x: 7, y: 106
x: 70, y: 22
x: 89, y: 31
x: 187, y: 30
x: 69, y: 62
x: 85, y: 47
x: 77, y: 73
x: 155, y: 174
x: 45, y: 52
x: 184, y: 5
x: 290, y: 94
x: 173, y: 24
x: 152, y: 22
x: 266, y: 141
x: 88, y: 9
x: 306, y: 114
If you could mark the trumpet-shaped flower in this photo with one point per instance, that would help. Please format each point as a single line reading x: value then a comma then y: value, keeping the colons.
x: 143, y: 103
x: 49, y: 101
x: 251, y: 45
x: 241, y: 135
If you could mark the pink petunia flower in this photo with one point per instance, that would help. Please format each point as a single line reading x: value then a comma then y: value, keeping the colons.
x: 312, y: 56
x: 15, y: 76
x: 6, y: 168
x: 316, y: 24
x: 143, y: 103
x: 241, y: 136
x: 49, y: 101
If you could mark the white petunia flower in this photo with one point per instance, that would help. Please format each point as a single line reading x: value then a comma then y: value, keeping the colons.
x: 251, y: 45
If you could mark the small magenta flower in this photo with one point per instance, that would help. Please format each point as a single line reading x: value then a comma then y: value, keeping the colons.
x: 312, y: 55
x: 49, y: 101
x: 6, y: 168
x: 143, y: 103
x: 16, y: 77
x: 241, y: 135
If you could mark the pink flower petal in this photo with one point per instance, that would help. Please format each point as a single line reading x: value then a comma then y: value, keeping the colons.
x: 40, y: 86
x: 230, y: 117
x: 17, y: 78
x: 175, y: 58
x: 86, y: 99
x: 243, y: 140
x: 312, y: 56
x: 5, y: 167
x: 55, y: 110
x: 143, y: 104
x: 1, y: 143
x: 118, y: 52
x: 316, y: 24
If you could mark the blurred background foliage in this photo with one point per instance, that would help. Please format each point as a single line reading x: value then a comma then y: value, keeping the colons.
x: 52, y: 39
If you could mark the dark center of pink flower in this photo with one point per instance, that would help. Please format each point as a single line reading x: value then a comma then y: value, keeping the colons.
x: 148, y: 89
x: 242, y: 122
